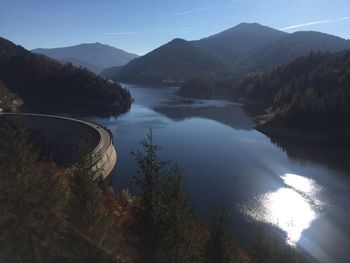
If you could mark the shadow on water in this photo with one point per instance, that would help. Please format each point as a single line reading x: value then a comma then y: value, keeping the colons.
x: 334, y: 153
x: 226, y: 113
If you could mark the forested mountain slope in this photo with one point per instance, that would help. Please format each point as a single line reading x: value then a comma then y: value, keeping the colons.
x: 46, y: 84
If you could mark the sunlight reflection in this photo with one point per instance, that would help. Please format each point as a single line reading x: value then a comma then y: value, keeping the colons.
x: 292, y: 208
x: 289, y: 211
x: 300, y: 183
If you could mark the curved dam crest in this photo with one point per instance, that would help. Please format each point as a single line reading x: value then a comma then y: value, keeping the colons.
x: 59, y: 136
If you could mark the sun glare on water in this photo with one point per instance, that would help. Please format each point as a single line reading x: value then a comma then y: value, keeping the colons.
x: 291, y: 208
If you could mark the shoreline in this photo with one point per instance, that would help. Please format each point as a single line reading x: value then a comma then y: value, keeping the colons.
x: 302, y: 136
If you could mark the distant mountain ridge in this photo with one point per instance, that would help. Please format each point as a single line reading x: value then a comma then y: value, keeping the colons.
x: 171, y: 63
x: 244, y: 48
x: 292, y: 46
x: 94, y: 56
x: 249, y: 47
x: 236, y: 42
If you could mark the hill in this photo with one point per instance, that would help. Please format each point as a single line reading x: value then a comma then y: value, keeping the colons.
x: 172, y: 63
x: 310, y: 94
x: 292, y: 46
x: 82, y: 64
x: 9, y: 102
x: 307, y: 97
x: 47, y: 85
x: 245, y: 48
x: 110, y: 73
x: 235, y: 43
x: 94, y: 57
x: 250, y: 47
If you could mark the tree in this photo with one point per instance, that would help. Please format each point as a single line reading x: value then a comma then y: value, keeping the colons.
x: 84, y: 207
x: 85, y: 210
x: 32, y: 200
x: 166, y: 226
x: 147, y: 186
x: 180, y: 241
x: 217, y: 244
x: 269, y: 246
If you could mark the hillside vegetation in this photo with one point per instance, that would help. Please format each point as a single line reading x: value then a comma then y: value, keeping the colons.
x: 9, y: 102
x: 47, y: 85
x: 310, y: 93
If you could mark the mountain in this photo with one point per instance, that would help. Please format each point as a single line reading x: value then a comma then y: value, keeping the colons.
x: 47, y: 85
x: 236, y: 42
x: 245, y: 48
x: 94, y: 57
x: 292, y: 46
x: 249, y: 47
x: 173, y: 62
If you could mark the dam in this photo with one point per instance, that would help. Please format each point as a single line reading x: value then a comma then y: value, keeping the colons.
x: 58, y: 137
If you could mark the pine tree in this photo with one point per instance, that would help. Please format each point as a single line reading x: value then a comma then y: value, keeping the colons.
x: 166, y: 226
x: 32, y: 200
x: 84, y: 208
x: 216, y: 248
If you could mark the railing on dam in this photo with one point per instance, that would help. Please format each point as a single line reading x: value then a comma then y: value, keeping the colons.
x: 60, y: 136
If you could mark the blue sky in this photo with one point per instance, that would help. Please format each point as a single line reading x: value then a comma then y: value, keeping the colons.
x: 141, y: 25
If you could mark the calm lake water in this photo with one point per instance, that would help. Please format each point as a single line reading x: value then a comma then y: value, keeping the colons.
x: 302, y: 191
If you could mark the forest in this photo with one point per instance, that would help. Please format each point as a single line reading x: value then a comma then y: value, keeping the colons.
x: 46, y: 85
x: 309, y: 93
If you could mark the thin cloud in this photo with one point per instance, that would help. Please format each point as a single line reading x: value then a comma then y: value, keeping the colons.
x: 180, y: 30
x: 120, y: 33
x: 328, y: 21
x: 243, y: 1
x: 192, y: 11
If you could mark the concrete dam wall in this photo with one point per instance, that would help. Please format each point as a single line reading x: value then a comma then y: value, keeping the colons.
x: 58, y: 137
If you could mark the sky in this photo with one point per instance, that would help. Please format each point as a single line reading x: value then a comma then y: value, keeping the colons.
x: 140, y: 26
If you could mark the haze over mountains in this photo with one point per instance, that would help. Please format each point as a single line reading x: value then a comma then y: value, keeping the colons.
x: 244, y: 48
x: 94, y: 57
x: 173, y: 62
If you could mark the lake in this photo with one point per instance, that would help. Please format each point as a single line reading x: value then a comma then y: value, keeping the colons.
x: 303, y: 191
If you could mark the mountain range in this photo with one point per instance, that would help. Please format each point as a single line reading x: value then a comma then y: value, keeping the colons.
x: 173, y: 62
x: 241, y: 49
x: 94, y: 56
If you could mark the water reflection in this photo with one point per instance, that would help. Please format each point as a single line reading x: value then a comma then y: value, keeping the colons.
x: 226, y: 162
x: 292, y: 207
x: 333, y: 153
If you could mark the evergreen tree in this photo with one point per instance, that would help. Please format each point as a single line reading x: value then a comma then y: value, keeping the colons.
x: 217, y: 244
x: 147, y: 186
x: 84, y: 208
x: 32, y: 200
x: 165, y: 224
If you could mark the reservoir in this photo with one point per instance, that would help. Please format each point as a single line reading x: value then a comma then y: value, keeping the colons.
x: 301, y: 190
